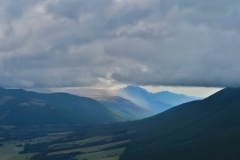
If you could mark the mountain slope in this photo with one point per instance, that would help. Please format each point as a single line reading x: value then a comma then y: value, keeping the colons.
x: 206, y: 129
x: 19, y: 107
x: 123, y: 106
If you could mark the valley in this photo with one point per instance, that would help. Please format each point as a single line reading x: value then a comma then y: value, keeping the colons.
x: 66, y: 144
x: 204, y: 129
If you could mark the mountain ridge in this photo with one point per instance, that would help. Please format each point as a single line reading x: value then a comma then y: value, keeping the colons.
x: 20, y: 107
x: 156, y: 102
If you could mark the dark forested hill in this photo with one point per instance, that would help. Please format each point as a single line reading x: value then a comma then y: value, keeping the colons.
x: 206, y: 129
x: 20, y: 107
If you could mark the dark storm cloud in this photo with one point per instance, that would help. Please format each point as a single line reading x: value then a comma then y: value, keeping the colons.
x: 59, y: 43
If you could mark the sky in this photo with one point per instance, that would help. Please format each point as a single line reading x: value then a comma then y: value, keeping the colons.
x: 187, y: 46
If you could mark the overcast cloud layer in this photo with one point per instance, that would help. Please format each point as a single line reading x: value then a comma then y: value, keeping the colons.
x: 74, y: 43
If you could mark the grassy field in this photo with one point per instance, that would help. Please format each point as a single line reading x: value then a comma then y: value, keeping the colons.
x: 95, y: 139
x: 22, y: 157
x: 61, y: 134
x: 90, y: 149
x: 81, y: 142
x: 48, y: 138
x: 43, y: 139
x: 10, y: 152
x: 108, y: 147
x: 103, y: 155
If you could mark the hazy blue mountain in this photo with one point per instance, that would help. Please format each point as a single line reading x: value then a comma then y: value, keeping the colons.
x: 20, y: 107
x: 159, y: 106
x: 123, y: 107
x: 156, y: 102
x: 137, y: 93
x: 203, y: 129
x: 173, y: 98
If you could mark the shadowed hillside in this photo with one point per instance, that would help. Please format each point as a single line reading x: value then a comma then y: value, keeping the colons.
x: 206, y: 129
x: 19, y: 107
x: 124, y: 107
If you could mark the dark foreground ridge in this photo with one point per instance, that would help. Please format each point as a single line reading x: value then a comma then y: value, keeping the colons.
x: 206, y: 129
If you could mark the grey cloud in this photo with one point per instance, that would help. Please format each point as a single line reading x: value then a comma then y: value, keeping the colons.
x: 14, y: 9
x: 79, y: 43
x: 74, y: 9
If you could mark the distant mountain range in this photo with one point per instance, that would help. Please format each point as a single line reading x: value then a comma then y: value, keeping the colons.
x: 20, y: 107
x: 204, y: 129
x: 134, y: 102
x: 155, y: 102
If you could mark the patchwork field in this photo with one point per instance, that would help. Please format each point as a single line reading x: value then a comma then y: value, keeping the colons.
x: 57, y: 142
x: 90, y: 149
x: 48, y: 138
x: 9, y: 151
x: 22, y: 156
x: 102, y: 155
x: 80, y: 142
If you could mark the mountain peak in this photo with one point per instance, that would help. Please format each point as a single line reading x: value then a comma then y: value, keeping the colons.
x: 132, y: 87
